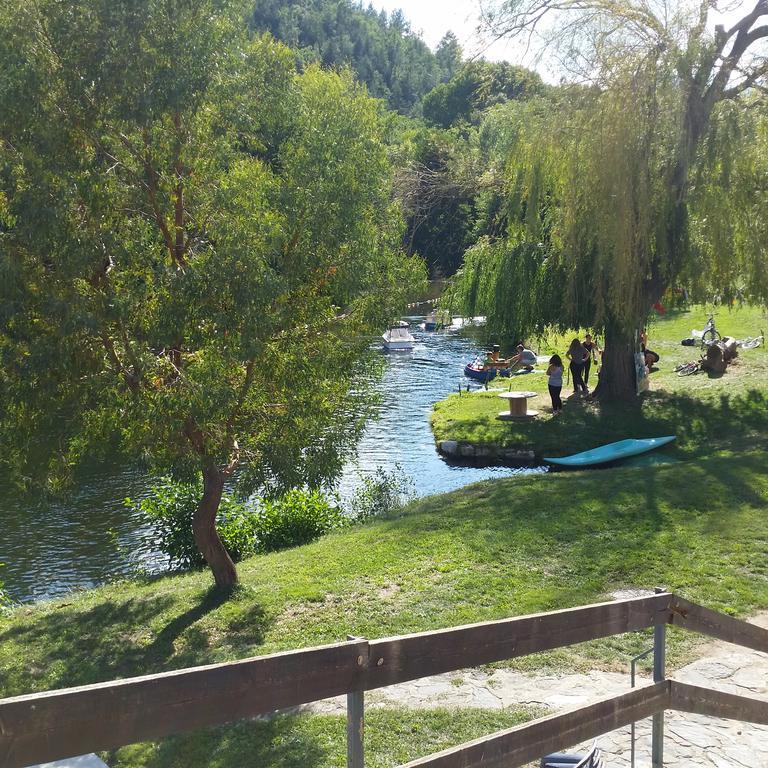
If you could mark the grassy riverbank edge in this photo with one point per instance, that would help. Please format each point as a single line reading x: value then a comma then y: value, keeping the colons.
x: 491, y: 550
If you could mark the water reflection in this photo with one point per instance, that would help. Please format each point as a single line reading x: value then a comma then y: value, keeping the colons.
x: 49, y: 547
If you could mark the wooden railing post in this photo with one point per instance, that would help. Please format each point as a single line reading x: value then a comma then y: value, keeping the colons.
x: 356, y: 722
x: 659, y: 674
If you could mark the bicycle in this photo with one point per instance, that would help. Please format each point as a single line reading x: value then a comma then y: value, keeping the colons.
x: 709, y: 334
x: 687, y: 369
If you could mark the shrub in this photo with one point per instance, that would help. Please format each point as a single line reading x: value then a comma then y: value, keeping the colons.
x: 299, y: 517
x: 171, y: 507
x: 380, y: 493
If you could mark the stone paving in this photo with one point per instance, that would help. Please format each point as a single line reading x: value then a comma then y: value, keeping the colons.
x: 690, y: 740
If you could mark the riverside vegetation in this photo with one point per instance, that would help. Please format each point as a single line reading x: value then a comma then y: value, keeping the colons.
x: 167, y: 228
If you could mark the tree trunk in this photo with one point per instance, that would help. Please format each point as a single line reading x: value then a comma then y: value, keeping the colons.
x: 204, y: 529
x: 617, y: 372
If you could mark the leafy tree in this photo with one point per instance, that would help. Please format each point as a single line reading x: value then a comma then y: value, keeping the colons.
x: 600, y: 194
x: 437, y: 184
x: 476, y: 87
x: 195, y: 243
x: 449, y: 55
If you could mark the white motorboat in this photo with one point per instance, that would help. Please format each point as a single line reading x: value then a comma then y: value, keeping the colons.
x: 398, y: 338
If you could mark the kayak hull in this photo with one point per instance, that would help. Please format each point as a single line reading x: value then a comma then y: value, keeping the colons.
x: 611, y: 452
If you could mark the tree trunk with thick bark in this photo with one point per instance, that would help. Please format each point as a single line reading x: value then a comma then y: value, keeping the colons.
x: 204, y: 529
x: 617, y: 372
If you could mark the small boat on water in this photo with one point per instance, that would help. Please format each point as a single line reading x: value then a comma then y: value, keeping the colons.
x: 481, y: 370
x: 488, y: 366
x: 611, y: 452
x: 397, y: 338
x: 436, y: 319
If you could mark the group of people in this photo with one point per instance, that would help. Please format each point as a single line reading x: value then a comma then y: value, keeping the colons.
x: 581, y: 355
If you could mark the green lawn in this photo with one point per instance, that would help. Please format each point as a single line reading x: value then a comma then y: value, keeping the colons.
x: 491, y: 550
x: 706, y: 413
x: 502, y: 548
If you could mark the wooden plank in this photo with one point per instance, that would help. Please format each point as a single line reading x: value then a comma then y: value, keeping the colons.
x: 708, y: 622
x: 704, y: 701
x: 531, y: 741
x: 55, y: 725
x: 398, y: 659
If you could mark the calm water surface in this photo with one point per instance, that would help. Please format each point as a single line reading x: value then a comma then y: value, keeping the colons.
x: 401, y: 436
x: 48, y: 549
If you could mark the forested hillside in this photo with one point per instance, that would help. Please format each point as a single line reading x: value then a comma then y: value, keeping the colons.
x: 395, y: 64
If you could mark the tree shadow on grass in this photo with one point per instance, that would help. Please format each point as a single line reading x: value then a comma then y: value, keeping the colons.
x: 279, y: 742
x: 575, y: 537
x: 69, y: 645
x: 702, y: 426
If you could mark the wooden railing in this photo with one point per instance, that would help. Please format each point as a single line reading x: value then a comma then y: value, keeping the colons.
x: 57, y: 724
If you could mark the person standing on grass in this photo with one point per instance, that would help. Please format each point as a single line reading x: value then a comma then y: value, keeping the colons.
x: 593, y: 349
x: 555, y: 381
x: 578, y: 357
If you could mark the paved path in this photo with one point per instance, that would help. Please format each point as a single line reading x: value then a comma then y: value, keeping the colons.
x: 691, y: 740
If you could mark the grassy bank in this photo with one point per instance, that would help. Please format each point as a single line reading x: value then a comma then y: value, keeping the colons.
x: 707, y: 413
x: 487, y: 551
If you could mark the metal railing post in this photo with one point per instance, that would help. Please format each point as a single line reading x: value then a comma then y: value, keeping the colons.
x: 659, y: 674
x: 355, y: 725
x: 632, y: 734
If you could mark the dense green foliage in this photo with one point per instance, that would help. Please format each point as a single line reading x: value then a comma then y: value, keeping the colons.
x: 196, y: 242
x: 171, y: 507
x: 298, y: 517
x: 729, y: 229
x: 609, y: 185
x: 477, y: 86
x: 395, y: 64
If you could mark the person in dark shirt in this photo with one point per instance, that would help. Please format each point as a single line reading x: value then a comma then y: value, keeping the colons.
x: 594, y: 350
x: 578, y: 357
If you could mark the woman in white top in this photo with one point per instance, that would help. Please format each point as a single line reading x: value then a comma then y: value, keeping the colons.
x: 555, y: 381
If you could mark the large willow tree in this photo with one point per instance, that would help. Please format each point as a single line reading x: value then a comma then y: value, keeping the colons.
x: 602, y: 182
x: 195, y: 241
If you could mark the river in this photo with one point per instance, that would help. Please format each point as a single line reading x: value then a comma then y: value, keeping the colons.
x: 50, y: 548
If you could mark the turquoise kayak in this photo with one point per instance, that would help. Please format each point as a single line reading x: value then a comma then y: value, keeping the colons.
x: 611, y: 452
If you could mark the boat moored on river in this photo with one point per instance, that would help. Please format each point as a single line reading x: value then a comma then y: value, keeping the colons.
x: 488, y: 366
x: 398, y: 338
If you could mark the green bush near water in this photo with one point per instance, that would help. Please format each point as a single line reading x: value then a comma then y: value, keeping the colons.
x: 380, y: 494
x: 171, y: 507
x: 298, y: 517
